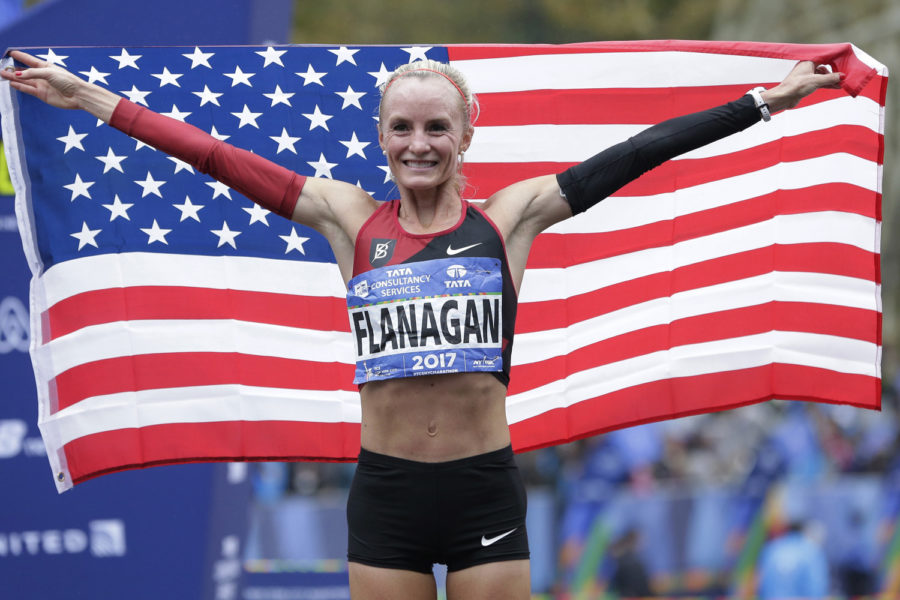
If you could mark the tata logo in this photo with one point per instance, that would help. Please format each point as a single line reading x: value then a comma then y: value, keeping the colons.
x: 13, y: 325
x: 456, y: 274
x: 401, y: 272
x: 104, y: 538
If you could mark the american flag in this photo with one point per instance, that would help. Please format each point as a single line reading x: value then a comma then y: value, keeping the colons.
x: 173, y: 320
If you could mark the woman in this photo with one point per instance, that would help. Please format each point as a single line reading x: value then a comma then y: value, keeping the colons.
x: 436, y: 480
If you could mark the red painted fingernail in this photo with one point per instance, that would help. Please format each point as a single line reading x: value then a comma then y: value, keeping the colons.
x: 18, y: 73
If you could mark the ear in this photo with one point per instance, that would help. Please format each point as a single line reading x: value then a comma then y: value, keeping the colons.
x: 467, y: 139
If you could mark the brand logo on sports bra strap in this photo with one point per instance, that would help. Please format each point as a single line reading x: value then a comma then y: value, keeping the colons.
x: 381, y: 251
x: 451, y: 251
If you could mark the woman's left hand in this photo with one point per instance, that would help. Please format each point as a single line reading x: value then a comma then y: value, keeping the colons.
x: 804, y: 79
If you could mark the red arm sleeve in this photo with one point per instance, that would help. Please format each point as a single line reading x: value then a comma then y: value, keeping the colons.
x: 270, y: 185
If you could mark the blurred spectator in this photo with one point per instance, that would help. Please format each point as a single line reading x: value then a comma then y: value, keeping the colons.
x: 792, y: 566
x: 629, y: 578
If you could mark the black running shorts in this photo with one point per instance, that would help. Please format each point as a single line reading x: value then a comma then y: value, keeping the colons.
x: 404, y: 514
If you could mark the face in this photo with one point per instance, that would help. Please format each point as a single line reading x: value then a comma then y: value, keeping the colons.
x: 422, y: 130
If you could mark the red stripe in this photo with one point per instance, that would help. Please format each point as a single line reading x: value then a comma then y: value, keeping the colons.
x: 853, y: 323
x: 684, y: 396
x: 485, y: 179
x: 185, y: 369
x: 122, y: 449
x: 835, y: 259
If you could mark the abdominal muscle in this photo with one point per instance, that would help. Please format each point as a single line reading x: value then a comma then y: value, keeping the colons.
x: 434, y: 418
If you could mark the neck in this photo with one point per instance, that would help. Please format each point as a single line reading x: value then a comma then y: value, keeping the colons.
x: 428, y: 210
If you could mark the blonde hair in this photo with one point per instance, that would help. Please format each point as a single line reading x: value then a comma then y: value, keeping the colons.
x: 433, y: 68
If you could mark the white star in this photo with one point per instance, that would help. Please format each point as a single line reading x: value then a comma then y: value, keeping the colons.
x: 317, y: 119
x: 344, y: 54
x: 176, y: 114
x: 79, y: 188
x: 272, y: 56
x: 387, y: 172
x: 285, y: 141
x: 136, y: 95
x: 279, y: 97
x: 219, y: 136
x: 167, y: 78
x: 417, y: 52
x: 294, y: 241
x: 322, y: 166
x: 118, y: 209
x: 354, y: 146
x: 247, y: 117
x: 219, y: 189
x: 86, y: 236
x: 226, y: 236
x: 199, y: 58
x: 141, y: 144
x: 351, y: 98
x: 257, y: 214
x: 240, y: 77
x: 180, y: 165
x: 156, y: 233
x: 53, y: 58
x: 126, y: 60
x: 150, y: 186
x: 208, y: 96
x: 94, y: 76
x: 312, y: 77
x: 381, y: 76
x: 111, y: 161
x: 189, y: 210
x: 72, y: 140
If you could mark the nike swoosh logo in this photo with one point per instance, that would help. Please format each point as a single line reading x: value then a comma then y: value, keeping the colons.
x: 485, y: 541
x: 451, y: 251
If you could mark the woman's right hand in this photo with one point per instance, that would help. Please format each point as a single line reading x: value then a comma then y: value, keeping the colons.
x: 44, y: 81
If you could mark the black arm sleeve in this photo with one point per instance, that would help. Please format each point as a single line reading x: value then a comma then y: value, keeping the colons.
x: 587, y: 183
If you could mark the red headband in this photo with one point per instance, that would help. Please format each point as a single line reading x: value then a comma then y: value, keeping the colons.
x: 453, y: 83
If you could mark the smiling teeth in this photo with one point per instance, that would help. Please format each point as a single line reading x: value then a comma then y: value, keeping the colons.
x: 421, y: 163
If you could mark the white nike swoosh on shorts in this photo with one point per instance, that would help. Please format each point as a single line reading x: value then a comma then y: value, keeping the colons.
x: 485, y: 541
x: 451, y: 251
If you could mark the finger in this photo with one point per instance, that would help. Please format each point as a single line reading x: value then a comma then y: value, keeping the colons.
x: 27, y: 59
x: 25, y: 87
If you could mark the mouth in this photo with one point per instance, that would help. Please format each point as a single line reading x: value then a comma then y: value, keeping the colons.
x: 420, y: 164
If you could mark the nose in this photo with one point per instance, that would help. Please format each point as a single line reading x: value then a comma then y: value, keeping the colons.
x: 419, y: 141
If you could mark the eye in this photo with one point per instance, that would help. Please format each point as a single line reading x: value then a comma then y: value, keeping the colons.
x: 438, y: 127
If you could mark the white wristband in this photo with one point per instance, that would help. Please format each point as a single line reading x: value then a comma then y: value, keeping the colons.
x: 760, y: 103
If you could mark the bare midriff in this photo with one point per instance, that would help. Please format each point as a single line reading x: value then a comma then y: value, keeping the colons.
x: 434, y: 418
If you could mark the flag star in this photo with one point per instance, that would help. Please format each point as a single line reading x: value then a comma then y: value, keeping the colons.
x: 127, y: 60
x: 79, y: 188
x: 176, y: 114
x: 54, y: 58
x: 285, y: 141
x: 180, y: 165
x: 86, y: 236
x: 247, y: 117
x: 294, y: 241
x: 136, y: 95
x: 150, y: 186
x: 272, y: 56
x: 141, y: 144
x: 257, y: 214
x: 73, y: 140
x: 111, y: 161
x: 199, y: 58
x: 219, y: 189
x: 344, y: 54
x: 208, y: 96
x: 156, y: 233
x: 279, y: 97
x: 351, y: 98
x: 317, y: 119
x: 312, y: 77
x: 94, y: 76
x: 118, y: 209
x: 417, y: 52
x: 239, y: 77
x: 322, y: 166
x: 167, y: 78
x: 189, y: 210
x: 387, y: 172
x: 381, y: 75
x: 226, y: 235
x: 354, y: 146
x: 219, y: 136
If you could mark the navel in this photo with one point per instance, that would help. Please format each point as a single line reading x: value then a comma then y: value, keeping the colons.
x: 432, y: 428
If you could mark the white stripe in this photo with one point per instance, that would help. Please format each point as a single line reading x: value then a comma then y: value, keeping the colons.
x: 574, y: 143
x: 777, y: 286
x: 215, y: 272
x: 559, y: 283
x: 206, y: 404
x: 126, y: 338
x: 619, y: 70
x: 813, y: 350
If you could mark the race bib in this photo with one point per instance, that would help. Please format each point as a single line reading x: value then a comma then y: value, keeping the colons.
x: 424, y: 318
